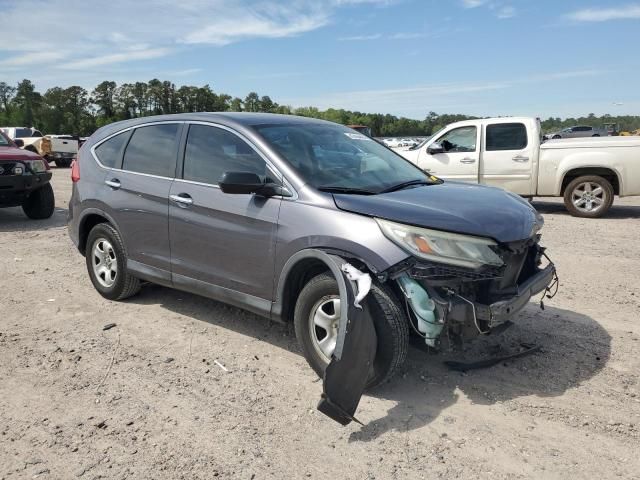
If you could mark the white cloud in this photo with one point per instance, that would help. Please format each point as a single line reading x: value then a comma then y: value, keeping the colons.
x: 623, y: 12
x: 119, y: 31
x: 500, y: 8
x: 360, y: 38
x: 506, y: 12
x: 31, y: 58
x: 473, y: 3
x: 417, y: 100
x: 128, y: 56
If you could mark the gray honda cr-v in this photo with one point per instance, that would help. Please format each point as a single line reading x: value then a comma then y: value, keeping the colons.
x: 303, y: 221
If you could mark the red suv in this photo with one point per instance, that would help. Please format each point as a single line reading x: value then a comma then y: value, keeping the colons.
x: 24, y: 180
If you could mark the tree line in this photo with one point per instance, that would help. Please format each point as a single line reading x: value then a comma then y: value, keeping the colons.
x: 74, y: 110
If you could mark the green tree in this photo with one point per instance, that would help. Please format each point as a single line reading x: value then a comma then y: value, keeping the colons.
x: 103, y: 97
x: 252, y: 102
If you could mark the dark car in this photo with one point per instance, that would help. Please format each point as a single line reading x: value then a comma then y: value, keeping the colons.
x: 24, y: 180
x: 304, y: 221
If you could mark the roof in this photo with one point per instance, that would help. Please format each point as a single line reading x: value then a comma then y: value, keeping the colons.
x: 238, y: 120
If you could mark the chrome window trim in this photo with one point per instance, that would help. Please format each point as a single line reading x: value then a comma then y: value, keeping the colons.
x: 149, y: 124
x: 270, y: 164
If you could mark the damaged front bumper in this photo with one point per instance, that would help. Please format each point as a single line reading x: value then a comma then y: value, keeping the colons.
x: 499, y: 312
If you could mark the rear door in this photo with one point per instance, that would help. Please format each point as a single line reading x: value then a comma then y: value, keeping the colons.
x: 225, y: 240
x: 138, y: 191
x: 508, y: 158
x: 459, y: 161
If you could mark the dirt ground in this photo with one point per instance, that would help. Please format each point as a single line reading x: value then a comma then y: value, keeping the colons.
x: 146, y: 399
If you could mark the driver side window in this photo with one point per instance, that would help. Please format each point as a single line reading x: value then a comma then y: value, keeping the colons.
x: 463, y: 139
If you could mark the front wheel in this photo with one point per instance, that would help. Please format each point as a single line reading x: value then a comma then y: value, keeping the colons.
x: 316, y: 320
x: 589, y: 196
x: 107, y: 264
x: 40, y: 204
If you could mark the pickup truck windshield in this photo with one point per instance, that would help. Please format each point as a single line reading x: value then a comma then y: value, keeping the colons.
x: 335, y: 158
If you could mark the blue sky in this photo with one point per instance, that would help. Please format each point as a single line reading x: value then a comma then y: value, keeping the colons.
x: 404, y: 57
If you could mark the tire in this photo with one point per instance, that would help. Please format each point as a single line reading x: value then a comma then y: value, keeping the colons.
x: 389, y: 319
x: 577, y: 190
x: 63, y: 163
x: 40, y: 204
x: 113, y: 284
x: 555, y: 137
x: 595, y: 135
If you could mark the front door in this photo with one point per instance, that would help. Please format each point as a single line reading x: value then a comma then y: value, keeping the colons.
x: 509, y: 158
x: 460, y: 158
x: 225, y: 240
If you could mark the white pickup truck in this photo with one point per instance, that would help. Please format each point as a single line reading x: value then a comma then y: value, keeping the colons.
x: 54, y: 148
x: 508, y: 153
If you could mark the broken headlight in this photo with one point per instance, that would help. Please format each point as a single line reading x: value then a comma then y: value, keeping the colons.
x: 443, y: 247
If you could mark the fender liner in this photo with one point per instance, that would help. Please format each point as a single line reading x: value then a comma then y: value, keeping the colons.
x: 345, y: 378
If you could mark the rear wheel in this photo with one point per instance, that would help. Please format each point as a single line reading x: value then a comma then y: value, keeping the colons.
x: 589, y: 196
x: 316, y: 324
x: 106, y: 261
x: 595, y: 135
x: 40, y: 204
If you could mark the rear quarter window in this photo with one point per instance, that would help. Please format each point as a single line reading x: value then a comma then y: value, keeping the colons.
x: 109, y: 153
x: 506, y: 136
x: 153, y: 150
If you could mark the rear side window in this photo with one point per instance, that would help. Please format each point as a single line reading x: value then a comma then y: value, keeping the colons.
x: 506, y: 136
x: 211, y: 151
x: 109, y: 152
x: 152, y: 150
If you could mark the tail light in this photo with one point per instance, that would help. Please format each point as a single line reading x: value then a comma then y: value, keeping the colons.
x: 75, y: 170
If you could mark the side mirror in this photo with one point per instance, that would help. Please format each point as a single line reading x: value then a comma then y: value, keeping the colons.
x: 19, y: 143
x: 435, y: 148
x: 247, y: 183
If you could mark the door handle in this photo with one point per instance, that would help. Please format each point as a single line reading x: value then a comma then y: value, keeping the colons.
x: 468, y: 160
x: 113, y: 183
x: 182, y: 199
x: 520, y: 158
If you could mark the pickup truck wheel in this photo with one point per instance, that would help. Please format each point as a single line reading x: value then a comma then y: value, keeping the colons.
x: 40, y: 204
x: 316, y: 324
x: 63, y: 163
x: 589, y: 196
x: 106, y: 261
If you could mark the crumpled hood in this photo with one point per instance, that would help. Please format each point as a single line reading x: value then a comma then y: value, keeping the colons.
x: 452, y: 207
x: 14, y: 153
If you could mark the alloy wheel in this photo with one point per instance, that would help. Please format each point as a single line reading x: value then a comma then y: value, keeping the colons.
x: 105, y: 264
x: 589, y: 197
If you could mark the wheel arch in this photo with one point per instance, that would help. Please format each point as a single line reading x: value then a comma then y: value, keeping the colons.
x: 605, y: 172
x: 90, y: 219
x: 298, y: 270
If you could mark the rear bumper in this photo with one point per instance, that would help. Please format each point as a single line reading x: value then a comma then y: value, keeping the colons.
x: 501, y: 311
x: 14, y: 189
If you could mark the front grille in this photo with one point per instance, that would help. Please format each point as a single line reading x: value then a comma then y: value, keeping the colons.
x: 425, y: 272
x: 6, y: 168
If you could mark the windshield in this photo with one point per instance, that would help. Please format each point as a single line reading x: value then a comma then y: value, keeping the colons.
x: 3, y: 140
x: 23, y: 133
x: 336, y: 158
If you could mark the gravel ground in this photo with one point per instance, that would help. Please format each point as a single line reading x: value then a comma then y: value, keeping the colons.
x: 147, y: 399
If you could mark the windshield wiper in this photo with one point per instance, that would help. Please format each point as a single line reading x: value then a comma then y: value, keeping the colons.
x: 348, y: 190
x: 402, y: 185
